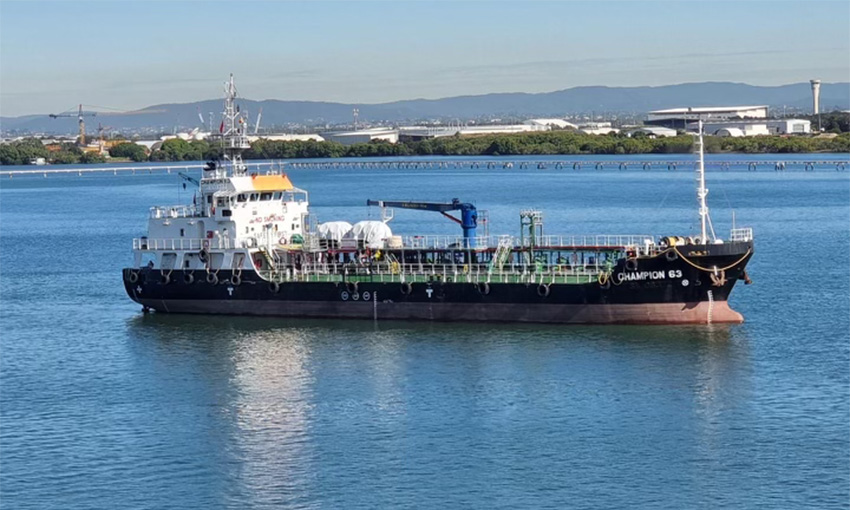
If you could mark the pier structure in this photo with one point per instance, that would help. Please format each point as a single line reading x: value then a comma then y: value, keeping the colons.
x: 590, y: 164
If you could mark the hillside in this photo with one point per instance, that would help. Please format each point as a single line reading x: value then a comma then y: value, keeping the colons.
x: 635, y: 100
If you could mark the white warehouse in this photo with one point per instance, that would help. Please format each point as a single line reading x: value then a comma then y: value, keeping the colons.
x: 755, y: 127
x: 678, y: 118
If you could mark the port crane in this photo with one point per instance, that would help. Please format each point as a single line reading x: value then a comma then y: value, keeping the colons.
x: 80, y: 114
x: 468, y: 213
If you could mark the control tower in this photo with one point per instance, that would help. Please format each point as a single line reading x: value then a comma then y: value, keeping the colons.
x: 815, y: 96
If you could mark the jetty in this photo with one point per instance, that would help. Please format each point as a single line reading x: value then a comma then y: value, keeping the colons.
x: 778, y: 165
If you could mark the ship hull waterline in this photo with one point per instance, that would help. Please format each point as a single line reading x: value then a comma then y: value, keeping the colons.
x: 654, y: 313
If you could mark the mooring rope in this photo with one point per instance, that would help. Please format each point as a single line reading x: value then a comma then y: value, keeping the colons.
x: 712, y: 270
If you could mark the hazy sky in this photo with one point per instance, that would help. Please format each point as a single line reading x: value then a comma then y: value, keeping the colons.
x: 131, y: 54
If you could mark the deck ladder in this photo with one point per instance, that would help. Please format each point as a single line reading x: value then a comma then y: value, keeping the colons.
x: 503, y: 251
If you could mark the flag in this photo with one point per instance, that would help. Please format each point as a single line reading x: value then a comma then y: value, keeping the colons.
x: 221, y: 128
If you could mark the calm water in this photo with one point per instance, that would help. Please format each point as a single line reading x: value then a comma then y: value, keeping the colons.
x: 102, y: 407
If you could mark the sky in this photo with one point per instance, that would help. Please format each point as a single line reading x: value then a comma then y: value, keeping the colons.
x: 126, y: 55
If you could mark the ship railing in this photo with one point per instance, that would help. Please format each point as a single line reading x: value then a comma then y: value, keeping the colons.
x: 175, y: 211
x: 640, y: 242
x: 449, y: 273
x: 445, y: 242
x: 741, y: 234
x: 181, y: 243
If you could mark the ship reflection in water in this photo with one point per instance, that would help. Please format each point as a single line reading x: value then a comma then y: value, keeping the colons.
x: 342, y: 412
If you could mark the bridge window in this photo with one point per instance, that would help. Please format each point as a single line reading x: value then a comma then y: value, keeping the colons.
x: 265, y: 196
x: 277, y: 195
x: 254, y: 197
x: 242, y: 197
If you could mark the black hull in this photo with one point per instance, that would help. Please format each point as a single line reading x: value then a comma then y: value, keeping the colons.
x: 657, y: 291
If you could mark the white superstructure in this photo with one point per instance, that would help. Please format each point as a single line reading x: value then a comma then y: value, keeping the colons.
x: 236, y: 219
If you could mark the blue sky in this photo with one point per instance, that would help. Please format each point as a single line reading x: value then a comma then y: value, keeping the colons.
x: 131, y: 54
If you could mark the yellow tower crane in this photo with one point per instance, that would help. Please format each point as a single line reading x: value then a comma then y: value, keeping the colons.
x: 80, y: 114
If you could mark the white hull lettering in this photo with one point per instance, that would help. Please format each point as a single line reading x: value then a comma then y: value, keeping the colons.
x: 649, y: 275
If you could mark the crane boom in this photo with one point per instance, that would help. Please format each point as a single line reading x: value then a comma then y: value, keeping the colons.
x: 468, y: 214
x: 80, y: 114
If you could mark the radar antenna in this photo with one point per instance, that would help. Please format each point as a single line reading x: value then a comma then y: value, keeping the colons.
x: 233, y: 130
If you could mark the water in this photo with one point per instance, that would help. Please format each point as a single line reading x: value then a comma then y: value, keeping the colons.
x: 103, y: 407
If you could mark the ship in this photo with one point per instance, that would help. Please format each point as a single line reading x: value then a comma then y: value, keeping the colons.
x: 249, y: 245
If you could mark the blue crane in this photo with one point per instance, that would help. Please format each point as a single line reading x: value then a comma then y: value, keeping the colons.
x: 468, y: 214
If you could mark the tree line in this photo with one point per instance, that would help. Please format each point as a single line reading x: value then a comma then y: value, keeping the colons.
x: 534, y: 143
x: 23, y: 152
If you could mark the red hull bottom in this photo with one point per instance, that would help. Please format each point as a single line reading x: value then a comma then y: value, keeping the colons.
x: 701, y: 312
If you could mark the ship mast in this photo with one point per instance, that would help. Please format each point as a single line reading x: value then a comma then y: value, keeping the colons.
x: 233, y: 129
x: 702, y: 191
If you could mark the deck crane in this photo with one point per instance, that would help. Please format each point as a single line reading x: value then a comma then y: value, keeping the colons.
x: 468, y: 214
x: 80, y: 114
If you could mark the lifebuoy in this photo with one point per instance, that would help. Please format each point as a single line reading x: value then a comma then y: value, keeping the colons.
x: 236, y: 279
x: 212, y: 278
x: 274, y: 287
x: 133, y: 277
x: 483, y: 288
x: 631, y: 264
x: 188, y: 278
x: 543, y: 290
x: 406, y: 288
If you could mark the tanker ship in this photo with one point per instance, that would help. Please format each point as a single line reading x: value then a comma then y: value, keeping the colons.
x: 248, y: 245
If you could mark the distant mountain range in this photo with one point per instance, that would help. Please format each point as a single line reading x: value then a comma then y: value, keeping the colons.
x: 634, y: 100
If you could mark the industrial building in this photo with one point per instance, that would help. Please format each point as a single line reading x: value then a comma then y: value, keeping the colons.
x: 362, y: 136
x: 551, y: 123
x: 414, y: 133
x: 597, y: 128
x: 679, y: 118
x: 288, y: 138
x: 652, y: 131
x: 755, y: 127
